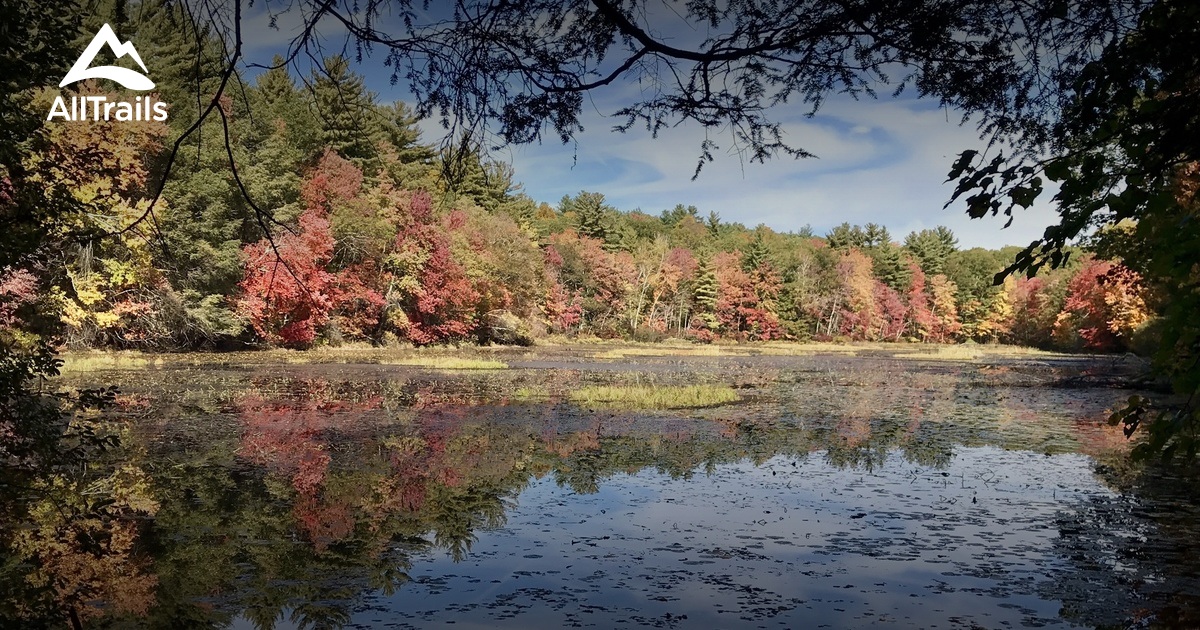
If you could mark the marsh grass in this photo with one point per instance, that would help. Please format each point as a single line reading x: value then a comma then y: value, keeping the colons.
x: 447, y: 363
x: 486, y: 357
x: 794, y: 349
x: 651, y: 397
x: 531, y: 393
x: 94, y: 361
x: 671, y: 351
x: 970, y: 352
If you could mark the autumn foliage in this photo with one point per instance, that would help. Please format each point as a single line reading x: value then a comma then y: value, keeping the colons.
x: 436, y: 298
x: 360, y: 239
x: 1104, y: 306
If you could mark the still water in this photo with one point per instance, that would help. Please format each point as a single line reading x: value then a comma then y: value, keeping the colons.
x: 838, y: 492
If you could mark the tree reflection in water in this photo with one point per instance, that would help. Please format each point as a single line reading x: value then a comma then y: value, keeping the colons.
x: 292, y: 497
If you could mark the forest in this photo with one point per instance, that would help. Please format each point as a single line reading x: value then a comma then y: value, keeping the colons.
x: 244, y: 474
x: 341, y: 224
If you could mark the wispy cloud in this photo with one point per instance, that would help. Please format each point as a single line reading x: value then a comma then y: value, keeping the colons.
x: 882, y: 161
x: 878, y: 160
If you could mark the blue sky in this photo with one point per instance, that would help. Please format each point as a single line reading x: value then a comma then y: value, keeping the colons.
x: 879, y: 160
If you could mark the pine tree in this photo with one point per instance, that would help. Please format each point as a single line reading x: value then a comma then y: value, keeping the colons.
x: 350, y: 123
x: 714, y: 224
x: 488, y: 184
x: 402, y: 133
x: 672, y: 217
x: 704, y: 292
x: 875, y: 235
x: 183, y: 61
x: 931, y: 248
x: 277, y: 103
x: 591, y: 214
x: 891, y: 266
x: 756, y: 254
x: 846, y: 236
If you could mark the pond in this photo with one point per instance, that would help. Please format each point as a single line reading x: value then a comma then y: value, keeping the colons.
x: 832, y: 491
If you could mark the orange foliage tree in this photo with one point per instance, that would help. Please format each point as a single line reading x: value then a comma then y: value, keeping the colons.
x: 289, y: 292
x: 1105, y: 305
x: 437, y: 301
x: 859, y: 314
x: 746, y: 299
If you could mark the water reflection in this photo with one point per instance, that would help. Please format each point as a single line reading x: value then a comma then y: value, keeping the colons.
x: 322, y: 496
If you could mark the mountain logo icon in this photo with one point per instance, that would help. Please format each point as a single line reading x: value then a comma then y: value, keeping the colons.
x: 126, y: 77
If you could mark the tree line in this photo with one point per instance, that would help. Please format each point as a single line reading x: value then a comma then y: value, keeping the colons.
x: 338, y: 223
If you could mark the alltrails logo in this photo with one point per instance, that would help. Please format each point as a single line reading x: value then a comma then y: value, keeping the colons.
x: 99, y: 107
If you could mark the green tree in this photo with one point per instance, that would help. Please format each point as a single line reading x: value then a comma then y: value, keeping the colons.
x: 282, y: 109
x: 673, y: 216
x: 973, y: 271
x: 704, y: 292
x: 350, y: 123
x: 891, y: 265
x: 592, y: 215
x: 756, y: 254
x: 875, y: 235
x: 714, y: 224
x: 403, y: 134
x: 845, y: 236
x: 931, y: 248
x: 490, y: 185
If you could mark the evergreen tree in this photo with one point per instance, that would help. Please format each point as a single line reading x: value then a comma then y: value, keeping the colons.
x: 185, y: 59
x: 591, y: 214
x: 278, y: 102
x: 888, y: 261
x: 891, y: 266
x: 350, y: 123
x: 931, y: 248
x: 672, y: 217
x: 402, y: 134
x: 705, y: 292
x: 756, y: 254
x: 973, y: 271
x: 846, y: 236
x: 714, y: 224
x: 521, y: 208
x: 875, y: 235
x: 490, y: 185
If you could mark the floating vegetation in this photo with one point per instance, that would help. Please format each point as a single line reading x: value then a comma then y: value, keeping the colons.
x: 530, y: 393
x: 652, y: 397
x: 792, y: 349
x: 93, y: 361
x: 971, y: 352
x: 669, y: 351
x: 447, y: 363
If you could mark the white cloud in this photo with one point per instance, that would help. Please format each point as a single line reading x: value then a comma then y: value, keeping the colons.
x: 879, y: 161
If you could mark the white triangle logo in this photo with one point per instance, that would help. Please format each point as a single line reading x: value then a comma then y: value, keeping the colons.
x: 126, y: 77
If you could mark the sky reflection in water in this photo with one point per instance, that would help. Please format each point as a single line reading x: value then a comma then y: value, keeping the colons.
x: 784, y: 544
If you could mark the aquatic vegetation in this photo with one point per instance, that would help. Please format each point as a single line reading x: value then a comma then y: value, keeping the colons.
x: 673, y: 351
x: 971, y: 352
x: 447, y: 363
x: 530, y: 393
x: 91, y: 361
x: 655, y: 397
